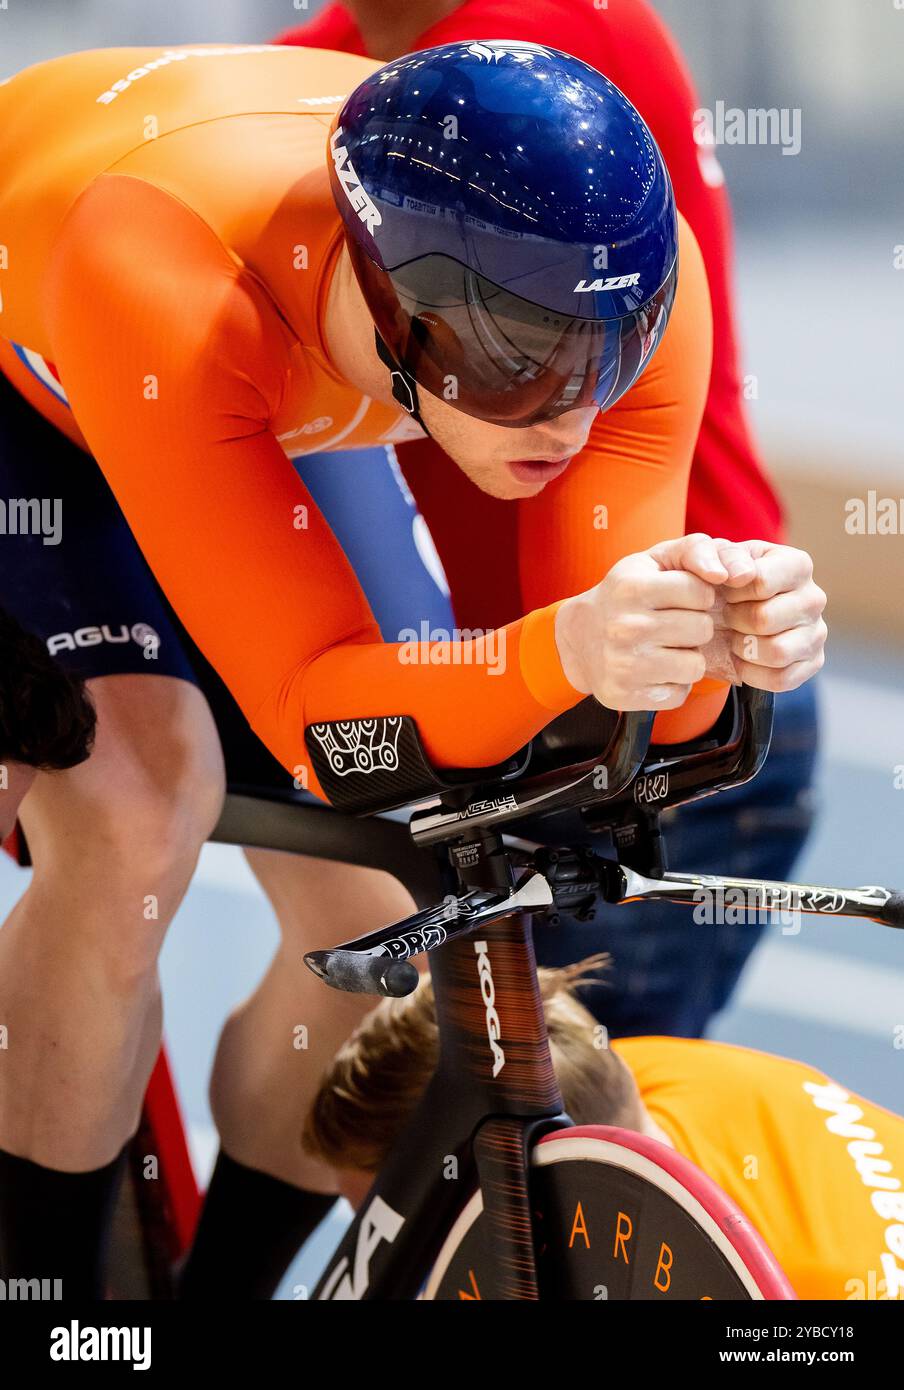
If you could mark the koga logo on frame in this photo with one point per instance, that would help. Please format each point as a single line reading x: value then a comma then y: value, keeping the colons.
x: 488, y: 994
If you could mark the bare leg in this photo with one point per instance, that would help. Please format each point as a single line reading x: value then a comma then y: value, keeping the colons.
x: 276, y: 1046
x: 114, y: 844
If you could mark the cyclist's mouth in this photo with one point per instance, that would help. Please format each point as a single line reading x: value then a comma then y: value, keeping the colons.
x: 538, y: 470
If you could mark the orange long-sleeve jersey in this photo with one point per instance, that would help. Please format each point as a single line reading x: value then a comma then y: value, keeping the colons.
x: 167, y: 243
x: 819, y: 1171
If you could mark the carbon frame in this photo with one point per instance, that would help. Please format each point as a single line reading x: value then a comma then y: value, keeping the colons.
x: 471, y: 1128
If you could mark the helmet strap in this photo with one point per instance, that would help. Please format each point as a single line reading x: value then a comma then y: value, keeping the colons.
x: 404, y: 386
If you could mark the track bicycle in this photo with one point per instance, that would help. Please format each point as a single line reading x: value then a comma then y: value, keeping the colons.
x: 491, y: 1192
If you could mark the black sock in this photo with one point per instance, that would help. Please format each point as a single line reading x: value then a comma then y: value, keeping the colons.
x: 250, y: 1230
x: 56, y: 1225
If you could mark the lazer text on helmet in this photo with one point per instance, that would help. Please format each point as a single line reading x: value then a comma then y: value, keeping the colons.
x: 615, y: 282
x: 352, y: 187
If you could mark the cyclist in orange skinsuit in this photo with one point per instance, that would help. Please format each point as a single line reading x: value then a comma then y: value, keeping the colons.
x: 177, y: 300
x: 211, y: 304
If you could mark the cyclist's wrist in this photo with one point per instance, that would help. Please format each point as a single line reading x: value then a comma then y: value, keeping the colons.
x: 541, y: 661
x: 569, y: 625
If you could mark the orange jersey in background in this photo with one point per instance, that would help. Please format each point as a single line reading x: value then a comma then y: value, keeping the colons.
x: 819, y: 1172
x: 170, y: 241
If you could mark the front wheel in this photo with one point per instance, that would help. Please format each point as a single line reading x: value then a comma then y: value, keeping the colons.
x: 617, y: 1216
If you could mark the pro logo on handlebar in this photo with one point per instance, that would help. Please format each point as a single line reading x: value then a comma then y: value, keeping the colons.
x: 652, y: 788
x: 488, y: 993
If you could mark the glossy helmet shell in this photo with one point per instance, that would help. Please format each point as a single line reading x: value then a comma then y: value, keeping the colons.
x: 511, y: 223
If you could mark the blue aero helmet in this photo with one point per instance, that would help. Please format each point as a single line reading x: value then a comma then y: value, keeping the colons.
x: 512, y: 226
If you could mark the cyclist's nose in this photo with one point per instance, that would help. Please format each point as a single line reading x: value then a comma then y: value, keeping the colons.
x: 569, y: 432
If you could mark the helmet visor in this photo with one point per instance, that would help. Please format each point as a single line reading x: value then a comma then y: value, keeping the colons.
x: 501, y: 358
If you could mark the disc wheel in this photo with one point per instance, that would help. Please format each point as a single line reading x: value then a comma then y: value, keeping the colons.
x: 617, y: 1216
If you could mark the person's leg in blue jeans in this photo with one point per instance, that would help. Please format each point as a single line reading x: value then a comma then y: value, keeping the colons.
x: 669, y: 974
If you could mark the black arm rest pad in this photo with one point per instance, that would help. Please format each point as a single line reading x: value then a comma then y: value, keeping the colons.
x: 369, y: 765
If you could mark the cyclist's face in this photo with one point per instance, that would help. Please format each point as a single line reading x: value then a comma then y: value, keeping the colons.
x: 507, y: 463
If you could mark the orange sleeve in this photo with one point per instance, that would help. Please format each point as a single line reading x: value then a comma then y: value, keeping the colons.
x: 174, y: 358
x: 627, y: 490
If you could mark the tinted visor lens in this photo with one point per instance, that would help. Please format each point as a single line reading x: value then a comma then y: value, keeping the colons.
x: 501, y: 358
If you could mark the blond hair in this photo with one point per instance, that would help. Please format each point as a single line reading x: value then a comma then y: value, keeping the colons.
x: 378, y: 1076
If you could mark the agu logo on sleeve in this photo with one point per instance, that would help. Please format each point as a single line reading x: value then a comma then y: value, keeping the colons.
x: 142, y: 633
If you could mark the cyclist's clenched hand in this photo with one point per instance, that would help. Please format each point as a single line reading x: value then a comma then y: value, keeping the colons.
x: 634, y: 641
x: 775, y: 624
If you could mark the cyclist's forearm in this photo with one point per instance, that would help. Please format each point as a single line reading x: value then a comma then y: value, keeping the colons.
x: 475, y: 700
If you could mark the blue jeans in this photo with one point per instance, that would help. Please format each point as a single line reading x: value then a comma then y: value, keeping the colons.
x: 667, y: 974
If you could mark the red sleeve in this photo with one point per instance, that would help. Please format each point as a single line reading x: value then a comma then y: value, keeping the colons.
x: 729, y: 494
x: 331, y: 27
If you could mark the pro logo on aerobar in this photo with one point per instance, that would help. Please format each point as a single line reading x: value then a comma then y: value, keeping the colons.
x: 488, y: 993
x: 352, y: 186
x: 615, y: 282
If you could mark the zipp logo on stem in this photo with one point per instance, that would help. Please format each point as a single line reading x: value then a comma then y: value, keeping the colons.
x: 352, y: 186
